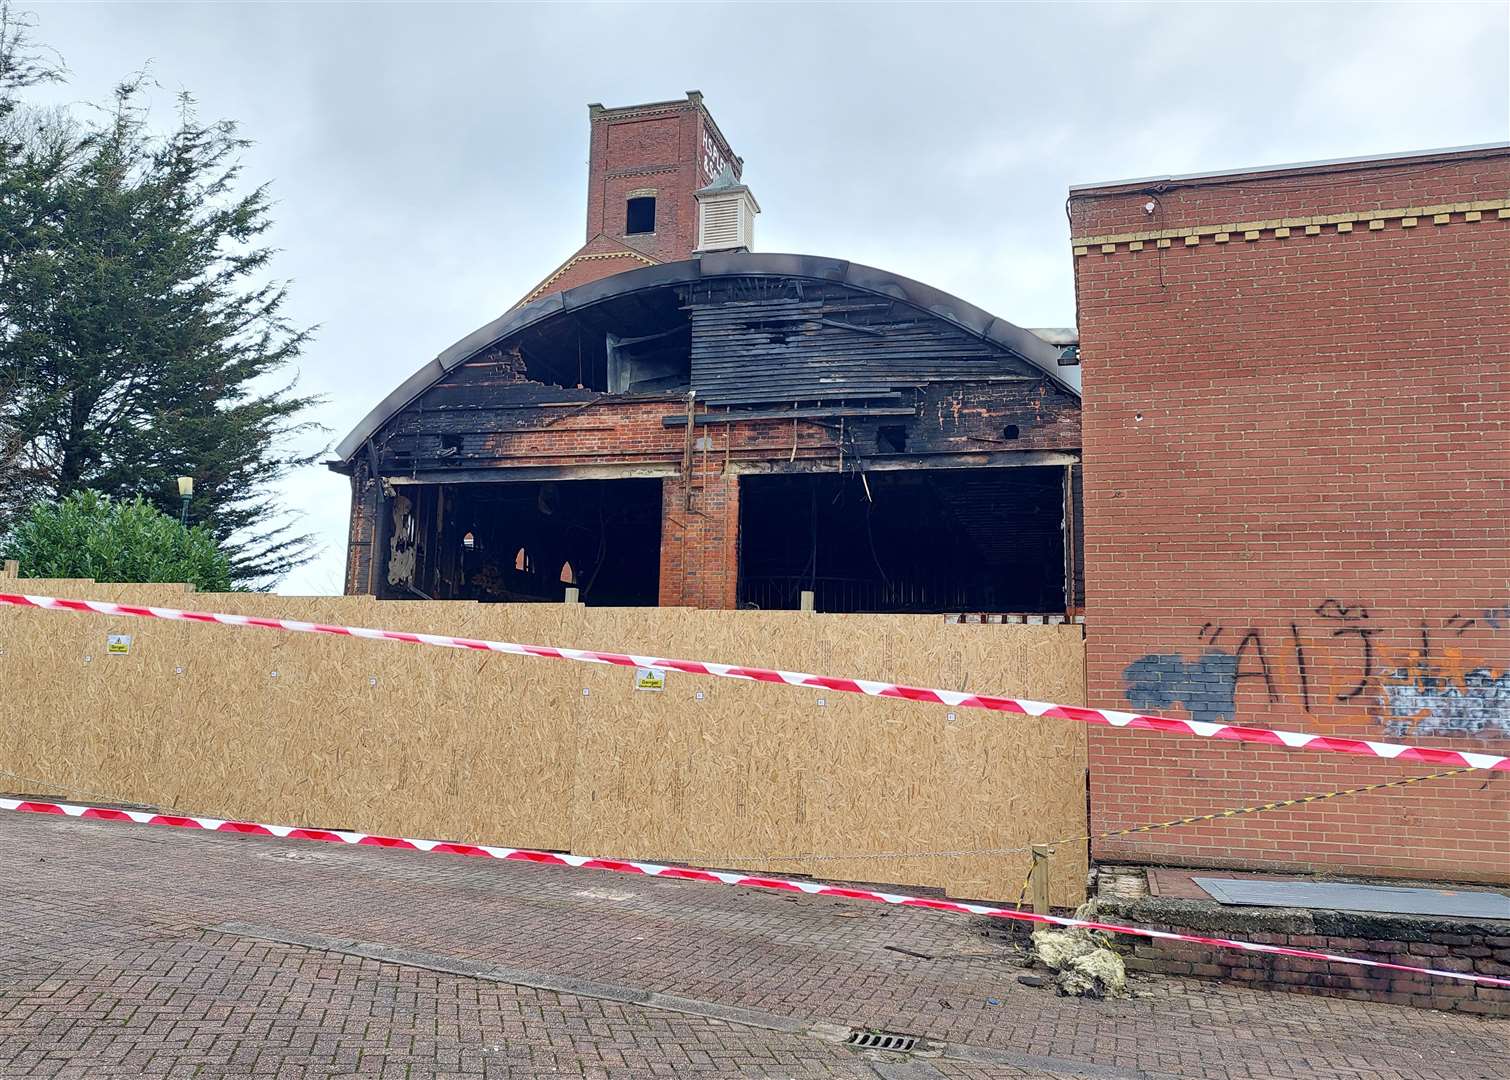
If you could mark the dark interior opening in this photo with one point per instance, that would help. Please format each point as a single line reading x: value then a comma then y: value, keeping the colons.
x: 891, y: 438
x: 639, y: 216
x: 525, y: 542
x: 930, y: 540
x: 641, y: 343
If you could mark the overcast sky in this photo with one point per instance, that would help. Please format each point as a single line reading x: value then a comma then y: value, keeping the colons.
x: 429, y: 160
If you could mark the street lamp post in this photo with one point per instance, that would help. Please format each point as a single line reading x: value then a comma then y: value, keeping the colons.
x: 185, y: 492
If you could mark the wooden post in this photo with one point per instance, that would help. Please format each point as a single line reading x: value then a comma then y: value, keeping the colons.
x: 809, y: 600
x: 1069, y: 542
x: 12, y: 568
x: 687, y: 446
x: 1041, y: 853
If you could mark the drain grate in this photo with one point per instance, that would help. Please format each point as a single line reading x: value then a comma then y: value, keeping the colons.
x: 882, y: 1040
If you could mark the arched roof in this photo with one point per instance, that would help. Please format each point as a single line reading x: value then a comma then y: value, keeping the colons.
x: 966, y: 316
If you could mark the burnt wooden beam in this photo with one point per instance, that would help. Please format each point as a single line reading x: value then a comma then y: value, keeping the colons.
x: 856, y: 327
x: 518, y: 474
x: 652, y: 337
x: 784, y: 414
x: 901, y: 462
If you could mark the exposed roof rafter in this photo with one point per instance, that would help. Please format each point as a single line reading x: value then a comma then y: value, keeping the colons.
x: 967, y: 317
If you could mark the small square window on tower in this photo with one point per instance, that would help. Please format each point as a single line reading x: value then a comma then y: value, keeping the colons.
x: 640, y: 215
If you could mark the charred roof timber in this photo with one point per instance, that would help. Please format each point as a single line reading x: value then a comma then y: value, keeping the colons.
x: 737, y: 328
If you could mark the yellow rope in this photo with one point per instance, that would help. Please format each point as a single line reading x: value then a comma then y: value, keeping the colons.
x: 1238, y: 811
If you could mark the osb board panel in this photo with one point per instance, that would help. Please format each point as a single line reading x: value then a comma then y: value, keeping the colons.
x: 392, y: 738
x: 283, y: 728
x: 753, y: 772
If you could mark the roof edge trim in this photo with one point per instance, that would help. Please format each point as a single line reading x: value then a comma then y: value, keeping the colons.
x: 1406, y: 157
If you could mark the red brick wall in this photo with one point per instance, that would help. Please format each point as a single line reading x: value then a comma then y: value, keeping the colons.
x: 669, y: 150
x: 597, y: 259
x: 699, y: 543
x: 583, y: 271
x: 659, y: 148
x: 361, y: 534
x: 1480, y: 951
x: 1296, y: 460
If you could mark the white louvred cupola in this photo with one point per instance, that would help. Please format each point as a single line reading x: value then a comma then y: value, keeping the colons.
x: 726, y: 215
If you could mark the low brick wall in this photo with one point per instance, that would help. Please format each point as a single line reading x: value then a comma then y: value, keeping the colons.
x: 1481, y: 946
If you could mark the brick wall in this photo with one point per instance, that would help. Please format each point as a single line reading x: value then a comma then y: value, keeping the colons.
x: 661, y: 149
x: 1297, y: 444
x: 699, y: 534
x: 597, y: 259
x: 666, y: 150
x: 1482, y: 952
x: 1477, y: 946
x: 361, y: 534
x: 699, y: 545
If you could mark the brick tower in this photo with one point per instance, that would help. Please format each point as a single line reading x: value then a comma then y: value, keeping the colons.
x: 646, y: 162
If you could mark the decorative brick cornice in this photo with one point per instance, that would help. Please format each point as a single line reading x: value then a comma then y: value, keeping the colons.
x: 1281, y: 228
x: 643, y: 170
x: 545, y: 286
x: 640, y: 112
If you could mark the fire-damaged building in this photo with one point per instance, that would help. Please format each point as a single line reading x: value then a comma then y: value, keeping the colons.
x: 671, y: 418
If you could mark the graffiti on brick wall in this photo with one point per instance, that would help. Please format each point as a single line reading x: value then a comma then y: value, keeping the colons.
x: 1336, y: 662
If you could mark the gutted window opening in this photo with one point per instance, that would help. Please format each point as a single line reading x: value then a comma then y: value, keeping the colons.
x: 529, y: 542
x: 634, y: 344
x: 1010, y: 431
x: 980, y: 540
x: 651, y: 362
x: 602, y: 537
x: 639, y: 215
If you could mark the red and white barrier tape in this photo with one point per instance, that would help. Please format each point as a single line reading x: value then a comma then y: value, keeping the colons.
x: 1294, y: 740
x: 724, y: 877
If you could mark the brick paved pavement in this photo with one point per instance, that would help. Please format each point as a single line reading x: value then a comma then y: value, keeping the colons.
x: 127, y: 951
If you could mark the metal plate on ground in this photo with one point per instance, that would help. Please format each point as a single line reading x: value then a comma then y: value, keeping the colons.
x: 1465, y: 904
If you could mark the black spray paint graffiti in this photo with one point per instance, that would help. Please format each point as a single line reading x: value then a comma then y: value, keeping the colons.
x: 1425, y: 690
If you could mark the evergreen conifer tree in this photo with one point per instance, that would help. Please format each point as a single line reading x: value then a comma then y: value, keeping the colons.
x: 140, y: 339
